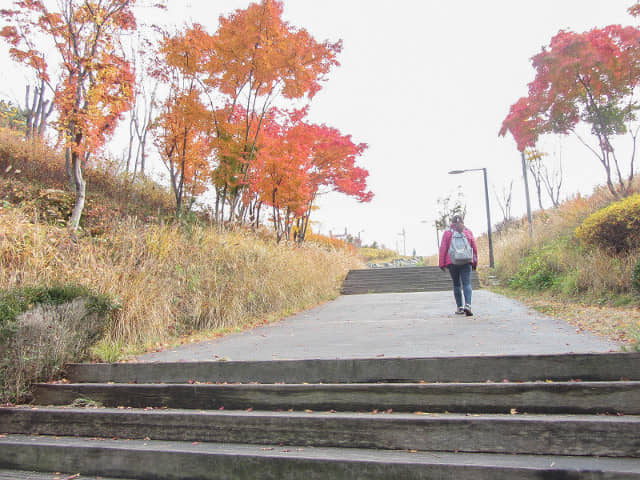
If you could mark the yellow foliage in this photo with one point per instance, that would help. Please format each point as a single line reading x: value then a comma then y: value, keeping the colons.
x: 615, y: 228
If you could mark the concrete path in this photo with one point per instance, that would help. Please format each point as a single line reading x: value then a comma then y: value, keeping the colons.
x: 397, y: 325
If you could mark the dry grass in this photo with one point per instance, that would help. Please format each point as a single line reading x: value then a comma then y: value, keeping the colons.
x: 32, y: 174
x: 172, y: 280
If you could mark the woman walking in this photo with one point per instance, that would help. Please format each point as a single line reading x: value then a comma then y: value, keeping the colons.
x: 459, y: 255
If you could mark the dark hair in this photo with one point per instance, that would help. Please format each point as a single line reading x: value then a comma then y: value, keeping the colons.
x: 456, y: 219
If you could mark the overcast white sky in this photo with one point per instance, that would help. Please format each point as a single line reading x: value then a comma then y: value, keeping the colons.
x: 426, y: 84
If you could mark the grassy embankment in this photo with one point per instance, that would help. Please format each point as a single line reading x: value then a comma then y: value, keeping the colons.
x: 553, y: 272
x: 157, y: 281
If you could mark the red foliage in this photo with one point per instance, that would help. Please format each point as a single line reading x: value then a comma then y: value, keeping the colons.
x: 590, y: 78
x: 586, y: 77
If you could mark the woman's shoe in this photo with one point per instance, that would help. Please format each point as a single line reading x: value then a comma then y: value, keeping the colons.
x: 467, y: 310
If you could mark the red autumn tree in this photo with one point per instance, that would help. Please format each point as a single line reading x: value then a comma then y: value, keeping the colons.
x: 590, y: 78
x: 96, y: 81
x: 279, y: 176
x: 256, y: 58
x: 333, y: 168
x: 297, y: 161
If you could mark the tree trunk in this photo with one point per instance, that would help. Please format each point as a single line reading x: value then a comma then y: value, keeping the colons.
x: 69, y: 168
x: 80, y: 190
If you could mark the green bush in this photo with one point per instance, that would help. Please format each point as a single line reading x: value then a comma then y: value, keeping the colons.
x: 537, y: 271
x: 615, y: 228
x: 550, y: 266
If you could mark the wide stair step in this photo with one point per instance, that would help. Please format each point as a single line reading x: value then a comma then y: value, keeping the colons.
x: 187, y: 461
x: 399, y: 280
x: 614, y: 436
x: 487, y: 417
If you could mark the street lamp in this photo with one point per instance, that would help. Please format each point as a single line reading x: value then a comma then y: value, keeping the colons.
x: 486, y: 196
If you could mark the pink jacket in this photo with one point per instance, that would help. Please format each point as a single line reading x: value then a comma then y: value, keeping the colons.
x: 445, y: 260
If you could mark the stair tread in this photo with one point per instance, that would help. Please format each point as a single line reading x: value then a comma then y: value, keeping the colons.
x: 327, y: 454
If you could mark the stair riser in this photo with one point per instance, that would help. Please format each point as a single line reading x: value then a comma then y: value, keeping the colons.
x: 464, y: 398
x: 172, y: 465
x: 614, y: 438
x: 586, y: 367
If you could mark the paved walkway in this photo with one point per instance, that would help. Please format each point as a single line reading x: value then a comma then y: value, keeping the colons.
x: 397, y: 325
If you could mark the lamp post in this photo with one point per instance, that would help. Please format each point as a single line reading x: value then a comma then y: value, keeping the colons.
x: 486, y: 196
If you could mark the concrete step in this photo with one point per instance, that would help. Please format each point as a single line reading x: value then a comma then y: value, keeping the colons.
x: 395, y: 280
x: 162, y: 460
x: 579, y: 435
x: 522, y: 368
x: 527, y: 397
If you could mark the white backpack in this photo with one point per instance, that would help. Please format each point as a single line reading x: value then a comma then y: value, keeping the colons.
x: 460, y: 251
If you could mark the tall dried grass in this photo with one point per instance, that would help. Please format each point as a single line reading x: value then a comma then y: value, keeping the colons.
x: 172, y: 280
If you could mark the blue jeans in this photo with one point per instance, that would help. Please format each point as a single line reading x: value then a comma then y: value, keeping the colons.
x: 461, y: 274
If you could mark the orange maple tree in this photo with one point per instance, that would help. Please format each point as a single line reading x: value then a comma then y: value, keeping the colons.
x: 183, y: 128
x: 256, y: 58
x: 96, y: 81
x: 220, y: 112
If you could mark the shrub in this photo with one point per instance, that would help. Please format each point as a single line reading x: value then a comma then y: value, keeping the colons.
x: 43, y: 328
x: 536, y: 272
x: 551, y: 265
x: 615, y: 228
